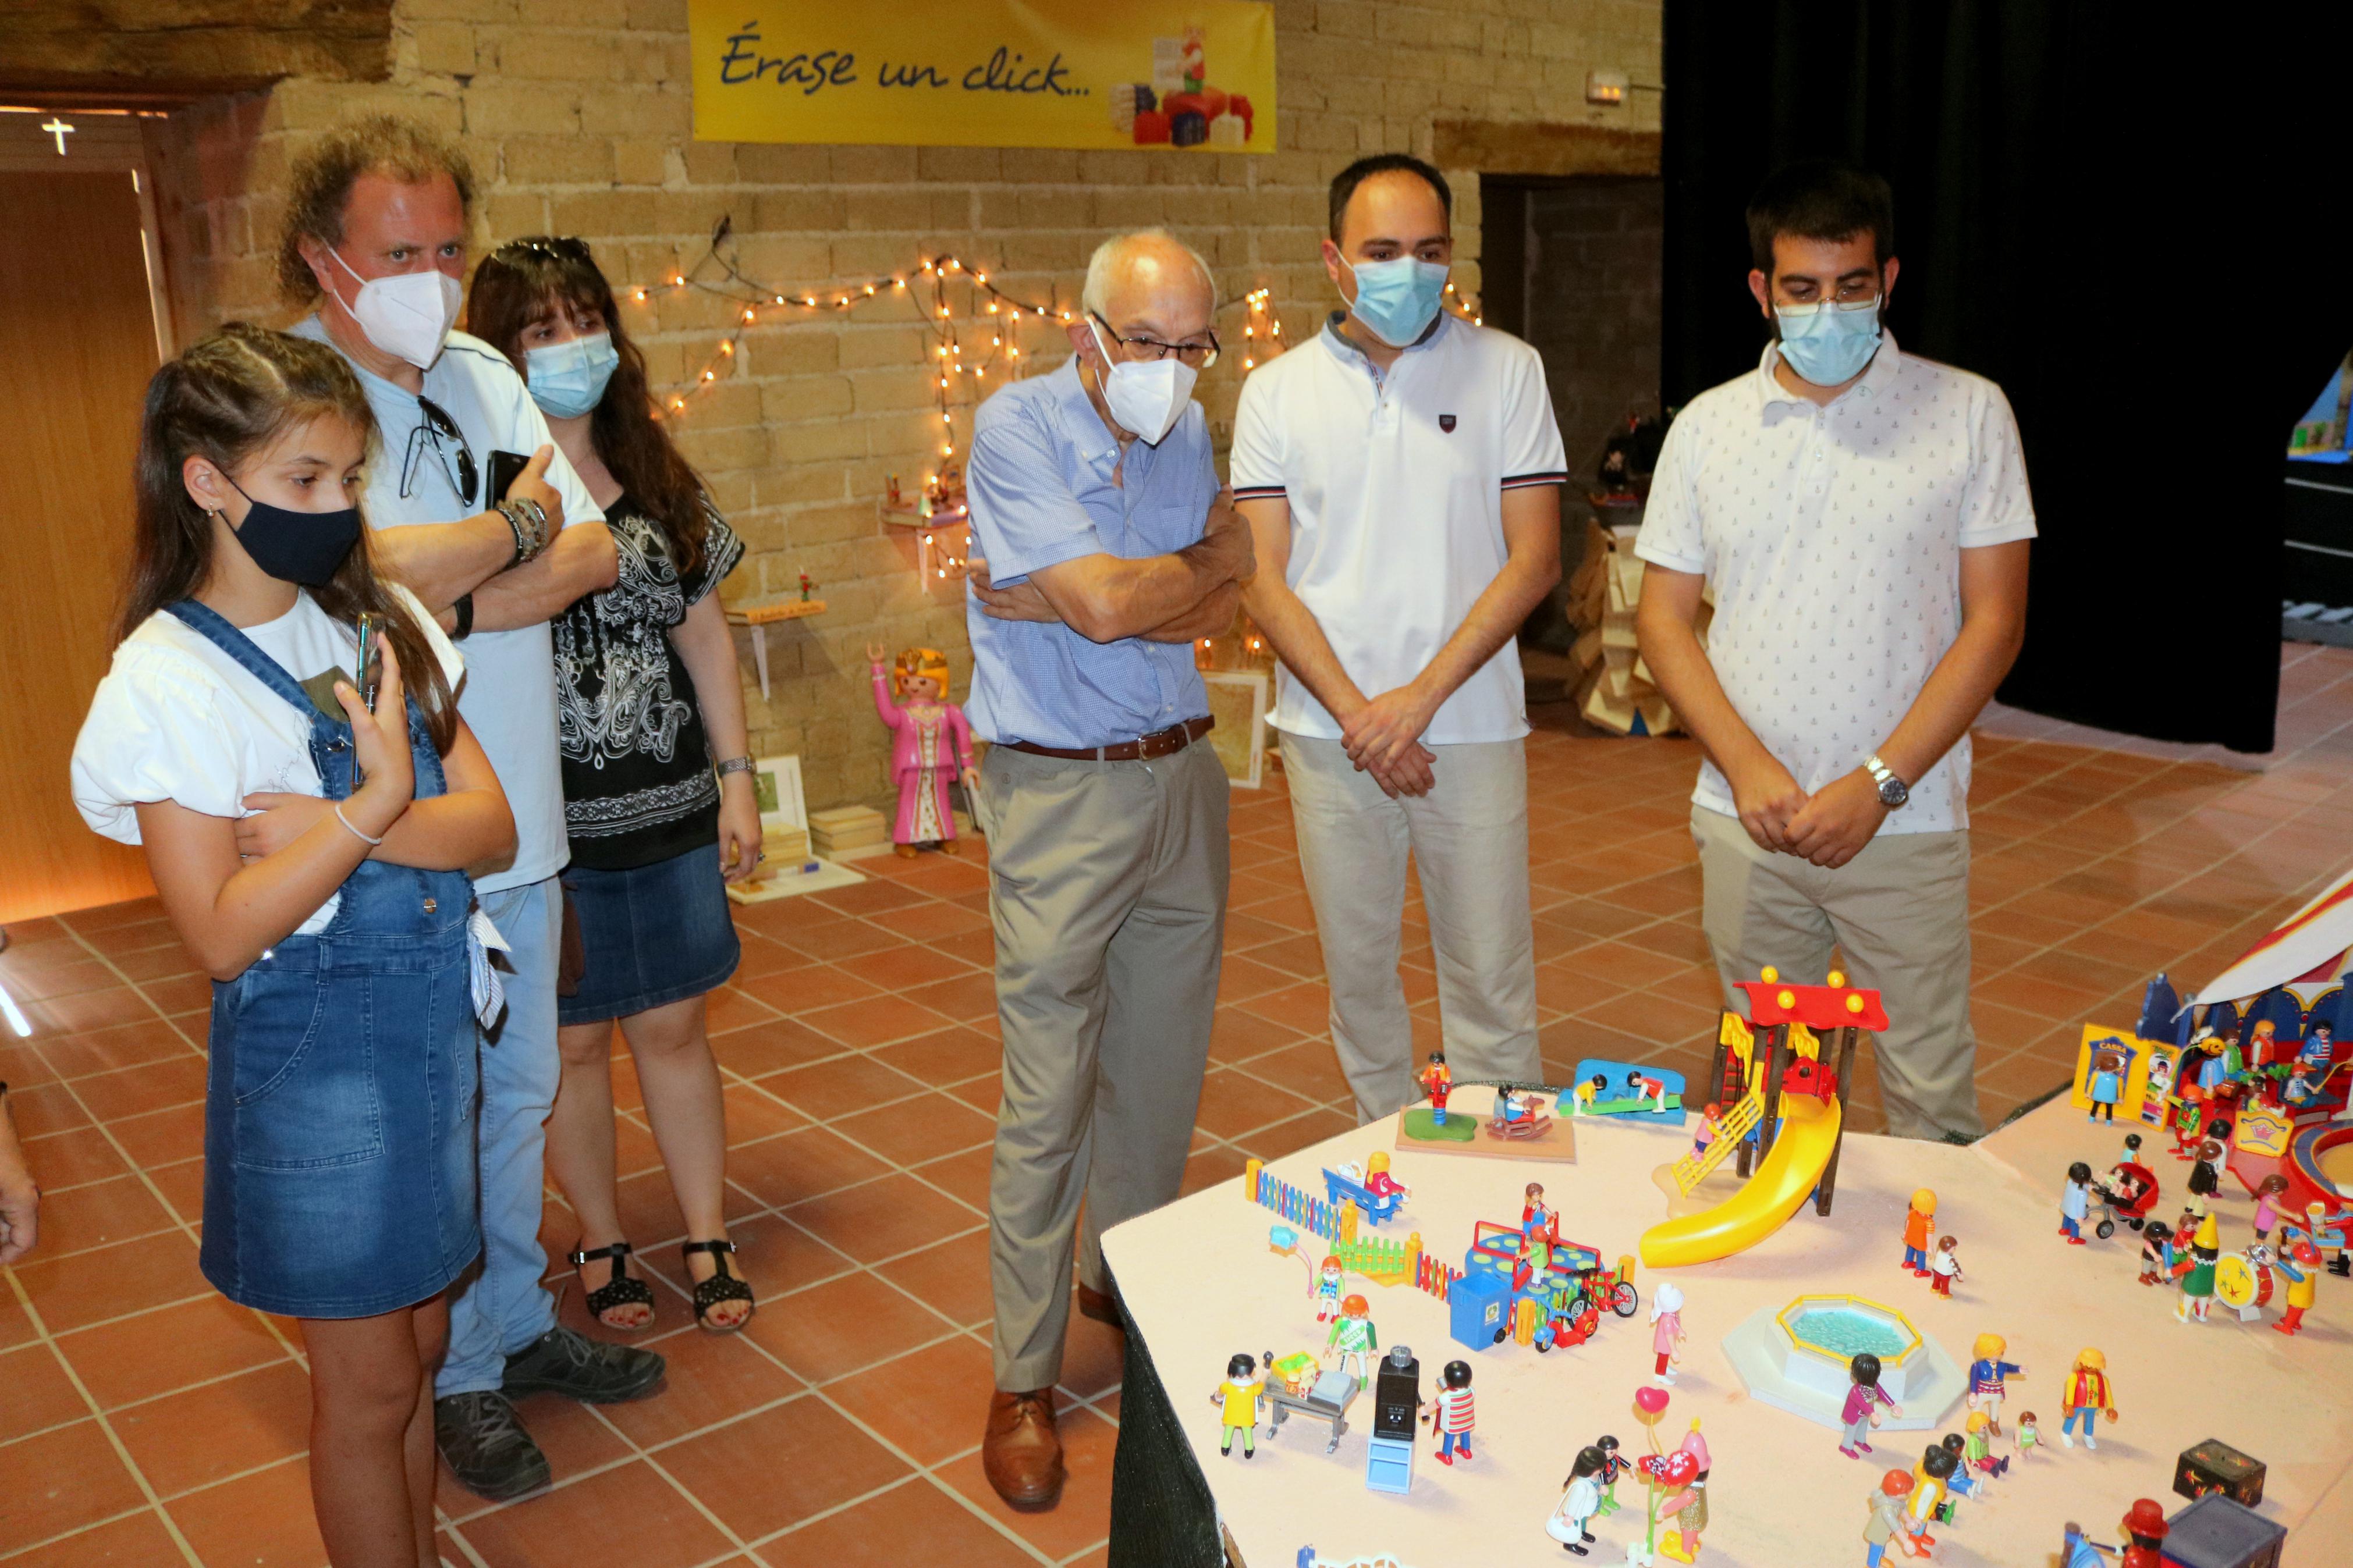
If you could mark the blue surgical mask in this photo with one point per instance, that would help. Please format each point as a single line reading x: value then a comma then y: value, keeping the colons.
x: 1828, y: 343
x: 568, y: 379
x: 1399, y: 298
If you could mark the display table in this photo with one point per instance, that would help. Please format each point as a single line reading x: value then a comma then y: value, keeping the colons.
x: 1200, y: 1284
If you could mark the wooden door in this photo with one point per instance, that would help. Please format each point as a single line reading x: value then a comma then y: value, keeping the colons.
x: 77, y: 347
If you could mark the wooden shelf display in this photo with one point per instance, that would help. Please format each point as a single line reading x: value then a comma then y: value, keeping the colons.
x: 759, y: 614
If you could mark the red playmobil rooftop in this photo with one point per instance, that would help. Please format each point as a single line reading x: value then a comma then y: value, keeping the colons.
x: 1818, y: 1008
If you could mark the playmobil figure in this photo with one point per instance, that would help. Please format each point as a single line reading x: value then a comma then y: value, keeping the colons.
x: 1643, y: 1086
x: 2145, y: 1527
x: 1932, y: 1479
x: 2197, y: 1272
x: 1437, y: 1082
x: 933, y: 744
x: 1237, y: 1398
x: 2156, y: 1253
x: 1919, y: 1224
x: 1451, y: 1414
x: 1689, y: 1507
x: 1857, y: 1412
x: 1890, y: 1520
x: 1355, y: 1338
x: 2085, y: 1396
x: 2131, y: 1156
x: 1976, y: 1446
x: 2074, y: 1202
x: 1327, y: 1290
x: 1987, y: 1375
x: 1534, y: 1215
x: 2205, y: 1176
x: 1946, y: 1266
x: 2029, y: 1436
x: 1960, y: 1483
x: 2107, y: 1082
x: 2301, y: 1267
x: 1614, y: 1465
x: 1378, y: 1180
x: 2325, y: 1229
x: 2319, y: 1048
x: 1580, y: 1498
x: 1711, y: 1119
x: 2268, y: 1192
x: 1587, y: 1093
x: 1666, y: 1328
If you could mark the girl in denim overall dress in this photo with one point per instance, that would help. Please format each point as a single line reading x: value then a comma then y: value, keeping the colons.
x: 311, y: 856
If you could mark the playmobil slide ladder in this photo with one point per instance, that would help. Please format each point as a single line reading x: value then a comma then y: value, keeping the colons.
x: 1692, y: 1169
x: 1807, y: 1138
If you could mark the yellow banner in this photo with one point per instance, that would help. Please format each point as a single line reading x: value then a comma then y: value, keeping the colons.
x: 1196, y: 74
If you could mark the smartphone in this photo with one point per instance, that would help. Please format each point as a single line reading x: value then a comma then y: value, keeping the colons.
x: 504, y: 468
x: 371, y: 658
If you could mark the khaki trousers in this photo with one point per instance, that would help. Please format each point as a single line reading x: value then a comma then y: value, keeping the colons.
x: 1900, y: 913
x: 1108, y: 894
x: 1469, y: 839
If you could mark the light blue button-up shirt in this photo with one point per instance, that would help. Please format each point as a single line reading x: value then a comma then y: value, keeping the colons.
x: 1040, y: 483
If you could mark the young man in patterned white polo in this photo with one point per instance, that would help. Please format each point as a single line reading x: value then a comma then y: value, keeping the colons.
x: 1864, y: 517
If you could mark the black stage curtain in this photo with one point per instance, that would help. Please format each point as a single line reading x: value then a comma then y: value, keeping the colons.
x: 2128, y: 220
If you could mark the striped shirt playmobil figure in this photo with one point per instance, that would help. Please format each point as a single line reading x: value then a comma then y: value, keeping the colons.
x: 1451, y: 1412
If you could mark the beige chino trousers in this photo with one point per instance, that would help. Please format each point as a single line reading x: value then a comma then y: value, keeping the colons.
x: 1900, y: 912
x: 1108, y: 894
x: 1469, y: 840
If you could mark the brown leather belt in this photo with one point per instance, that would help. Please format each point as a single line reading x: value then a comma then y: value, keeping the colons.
x: 1144, y: 748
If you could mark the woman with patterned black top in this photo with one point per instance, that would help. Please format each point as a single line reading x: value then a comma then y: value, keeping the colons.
x: 647, y: 700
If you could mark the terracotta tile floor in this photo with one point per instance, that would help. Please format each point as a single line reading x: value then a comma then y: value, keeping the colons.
x: 145, y: 1420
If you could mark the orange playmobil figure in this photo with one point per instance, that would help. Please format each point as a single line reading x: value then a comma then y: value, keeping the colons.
x: 1919, y: 1224
x: 933, y: 744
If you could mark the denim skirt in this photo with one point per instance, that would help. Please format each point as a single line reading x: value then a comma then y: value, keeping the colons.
x: 339, y: 1124
x: 653, y: 934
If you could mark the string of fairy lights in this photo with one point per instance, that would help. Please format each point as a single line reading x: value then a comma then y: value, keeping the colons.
x: 928, y: 288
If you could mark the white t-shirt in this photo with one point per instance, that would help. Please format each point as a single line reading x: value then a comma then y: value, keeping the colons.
x: 1832, y: 536
x: 1396, y: 484
x: 178, y: 719
x: 509, y: 704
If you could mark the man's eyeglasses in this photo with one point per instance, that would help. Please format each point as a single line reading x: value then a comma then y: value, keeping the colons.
x: 440, y: 433
x: 1200, y: 357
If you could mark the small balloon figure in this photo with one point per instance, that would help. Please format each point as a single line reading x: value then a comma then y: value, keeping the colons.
x: 1661, y: 1472
x: 933, y: 745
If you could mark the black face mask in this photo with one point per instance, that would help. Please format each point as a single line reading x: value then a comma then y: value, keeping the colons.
x: 305, y: 547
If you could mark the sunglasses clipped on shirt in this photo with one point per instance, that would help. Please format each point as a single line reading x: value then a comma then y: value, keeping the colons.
x: 440, y: 433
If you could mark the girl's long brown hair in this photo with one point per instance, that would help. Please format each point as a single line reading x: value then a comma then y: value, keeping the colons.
x: 225, y: 400
x: 527, y: 279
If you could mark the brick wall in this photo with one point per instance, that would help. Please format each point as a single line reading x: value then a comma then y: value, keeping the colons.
x: 577, y: 114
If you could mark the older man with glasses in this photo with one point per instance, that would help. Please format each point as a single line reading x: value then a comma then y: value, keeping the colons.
x: 375, y: 236
x: 1104, y: 546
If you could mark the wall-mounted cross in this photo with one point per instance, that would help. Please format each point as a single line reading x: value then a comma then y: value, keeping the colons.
x: 59, y: 129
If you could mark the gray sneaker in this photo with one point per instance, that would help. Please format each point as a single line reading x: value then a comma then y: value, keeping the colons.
x: 486, y: 1448
x: 578, y: 1367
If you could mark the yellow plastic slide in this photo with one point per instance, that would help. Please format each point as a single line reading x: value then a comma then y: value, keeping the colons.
x: 1810, y: 1131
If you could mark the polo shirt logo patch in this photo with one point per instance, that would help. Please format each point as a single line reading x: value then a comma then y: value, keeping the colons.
x: 1446, y: 423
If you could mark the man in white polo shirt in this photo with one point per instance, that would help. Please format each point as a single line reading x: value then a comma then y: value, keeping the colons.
x: 1864, y: 517
x: 375, y: 236
x: 1401, y: 474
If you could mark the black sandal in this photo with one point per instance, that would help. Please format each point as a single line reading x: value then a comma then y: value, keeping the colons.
x: 721, y: 1286
x: 621, y: 1290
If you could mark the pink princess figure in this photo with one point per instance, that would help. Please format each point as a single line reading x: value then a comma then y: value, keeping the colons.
x: 933, y: 745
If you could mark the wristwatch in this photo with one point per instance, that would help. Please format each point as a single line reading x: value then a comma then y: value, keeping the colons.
x: 734, y: 766
x: 1892, y: 792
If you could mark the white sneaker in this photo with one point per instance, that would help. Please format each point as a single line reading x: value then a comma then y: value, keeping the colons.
x: 2068, y: 1438
x: 2090, y: 1441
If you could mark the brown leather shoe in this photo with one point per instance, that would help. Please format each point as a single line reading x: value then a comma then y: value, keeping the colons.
x: 1022, y: 1453
x: 1103, y: 1307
